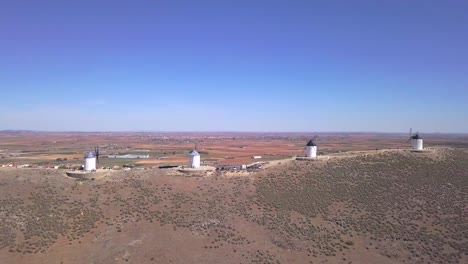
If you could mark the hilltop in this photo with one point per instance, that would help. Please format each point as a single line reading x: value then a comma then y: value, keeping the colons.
x: 389, y: 207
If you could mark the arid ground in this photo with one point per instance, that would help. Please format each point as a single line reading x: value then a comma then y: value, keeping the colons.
x: 393, y: 206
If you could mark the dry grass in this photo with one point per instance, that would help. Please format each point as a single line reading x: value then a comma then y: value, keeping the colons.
x: 392, y: 207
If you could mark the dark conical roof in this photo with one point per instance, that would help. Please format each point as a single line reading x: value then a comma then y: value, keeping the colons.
x: 416, y: 136
x: 194, y: 153
x: 311, y: 143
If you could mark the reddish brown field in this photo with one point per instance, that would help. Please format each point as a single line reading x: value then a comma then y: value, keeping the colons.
x: 43, y: 148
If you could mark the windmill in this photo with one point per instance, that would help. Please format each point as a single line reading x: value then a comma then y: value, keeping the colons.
x: 90, y: 160
x: 311, y: 148
x: 416, y: 140
x: 194, y: 161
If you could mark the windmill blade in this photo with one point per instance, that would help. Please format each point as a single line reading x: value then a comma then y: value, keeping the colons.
x: 410, y: 135
x: 314, y: 139
x: 96, y: 152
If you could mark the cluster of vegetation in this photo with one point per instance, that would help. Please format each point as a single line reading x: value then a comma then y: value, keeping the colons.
x: 415, y: 204
x: 404, y: 206
x: 44, y: 216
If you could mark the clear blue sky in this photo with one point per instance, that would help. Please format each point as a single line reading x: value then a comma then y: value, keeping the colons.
x: 234, y: 65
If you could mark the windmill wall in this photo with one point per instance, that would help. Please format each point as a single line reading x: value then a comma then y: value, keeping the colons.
x: 417, y: 144
x: 90, y: 164
x: 194, y: 161
x: 311, y: 151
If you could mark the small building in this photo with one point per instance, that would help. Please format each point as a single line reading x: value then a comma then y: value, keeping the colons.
x: 311, y: 149
x: 256, y: 157
x: 194, y: 161
x: 228, y: 167
x: 90, y: 161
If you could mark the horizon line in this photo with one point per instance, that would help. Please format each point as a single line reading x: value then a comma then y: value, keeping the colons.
x: 219, y: 131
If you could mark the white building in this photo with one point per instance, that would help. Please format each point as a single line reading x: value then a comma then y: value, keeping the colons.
x: 90, y: 161
x: 194, y: 159
x: 311, y: 149
x: 417, y: 142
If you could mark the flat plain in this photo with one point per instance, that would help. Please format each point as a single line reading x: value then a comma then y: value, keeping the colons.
x: 361, y: 205
x: 48, y: 149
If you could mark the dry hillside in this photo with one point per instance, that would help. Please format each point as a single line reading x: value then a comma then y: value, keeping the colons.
x: 392, y: 207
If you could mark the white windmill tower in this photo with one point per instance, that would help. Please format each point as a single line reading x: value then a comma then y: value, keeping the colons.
x: 416, y: 141
x: 311, y: 149
x: 91, y: 159
x: 194, y: 161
